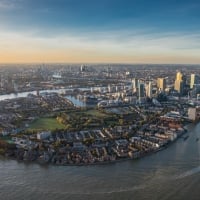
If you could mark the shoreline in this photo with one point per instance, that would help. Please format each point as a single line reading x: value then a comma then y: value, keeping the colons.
x: 138, y: 155
x: 96, y: 163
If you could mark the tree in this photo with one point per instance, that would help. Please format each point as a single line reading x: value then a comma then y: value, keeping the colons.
x: 121, y: 122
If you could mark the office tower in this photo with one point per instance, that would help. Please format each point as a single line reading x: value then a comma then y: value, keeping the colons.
x: 161, y: 84
x: 141, y: 88
x: 179, y: 86
x: 134, y: 84
x: 83, y: 68
x: 180, y: 82
x: 179, y: 76
x: 194, y: 79
x: 149, y: 90
x: 109, y: 88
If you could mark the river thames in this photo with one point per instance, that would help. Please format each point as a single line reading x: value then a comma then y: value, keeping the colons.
x: 173, y: 173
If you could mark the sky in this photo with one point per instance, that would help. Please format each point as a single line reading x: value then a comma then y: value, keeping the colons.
x: 100, y: 31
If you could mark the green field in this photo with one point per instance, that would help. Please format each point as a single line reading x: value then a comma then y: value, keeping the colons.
x: 76, y: 120
x: 45, y: 124
x: 95, y: 113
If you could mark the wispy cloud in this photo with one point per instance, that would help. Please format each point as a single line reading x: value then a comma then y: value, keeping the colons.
x: 130, y: 45
x: 188, y: 8
x: 127, y: 42
x: 9, y: 4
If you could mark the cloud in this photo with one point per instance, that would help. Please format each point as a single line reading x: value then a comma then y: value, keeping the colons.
x: 10, y: 4
x: 188, y: 8
x: 141, y: 38
x: 137, y: 45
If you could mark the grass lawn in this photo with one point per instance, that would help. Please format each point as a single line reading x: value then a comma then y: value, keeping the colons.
x: 95, y: 113
x: 45, y: 124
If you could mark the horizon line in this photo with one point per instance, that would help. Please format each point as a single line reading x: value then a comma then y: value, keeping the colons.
x: 97, y: 63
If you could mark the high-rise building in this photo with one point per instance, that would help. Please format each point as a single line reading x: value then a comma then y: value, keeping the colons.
x: 134, y: 84
x: 180, y: 82
x: 149, y: 90
x: 161, y: 84
x: 141, y: 89
x: 179, y: 76
x: 179, y: 86
x: 83, y: 68
x: 109, y: 88
x: 194, y: 79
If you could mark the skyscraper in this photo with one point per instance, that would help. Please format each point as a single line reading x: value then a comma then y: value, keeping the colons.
x: 161, y: 84
x: 179, y: 76
x: 134, y: 84
x: 149, y: 90
x: 141, y: 88
x: 179, y: 86
x: 194, y: 79
x: 180, y: 82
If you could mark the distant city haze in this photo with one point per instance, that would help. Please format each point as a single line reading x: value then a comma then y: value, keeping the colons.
x: 111, y: 31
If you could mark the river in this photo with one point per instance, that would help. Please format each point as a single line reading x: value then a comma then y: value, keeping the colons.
x: 173, y: 173
x: 74, y: 100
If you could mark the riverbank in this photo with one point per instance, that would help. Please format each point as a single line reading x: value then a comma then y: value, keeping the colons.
x: 92, y: 136
x: 21, y: 155
x: 163, y: 174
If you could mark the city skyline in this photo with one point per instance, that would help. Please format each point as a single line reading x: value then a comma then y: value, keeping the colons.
x: 99, y: 31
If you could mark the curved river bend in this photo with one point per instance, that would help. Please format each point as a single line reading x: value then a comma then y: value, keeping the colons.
x: 173, y: 173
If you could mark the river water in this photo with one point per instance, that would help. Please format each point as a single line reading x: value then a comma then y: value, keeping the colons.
x: 74, y: 100
x: 173, y: 173
x: 25, y: 94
